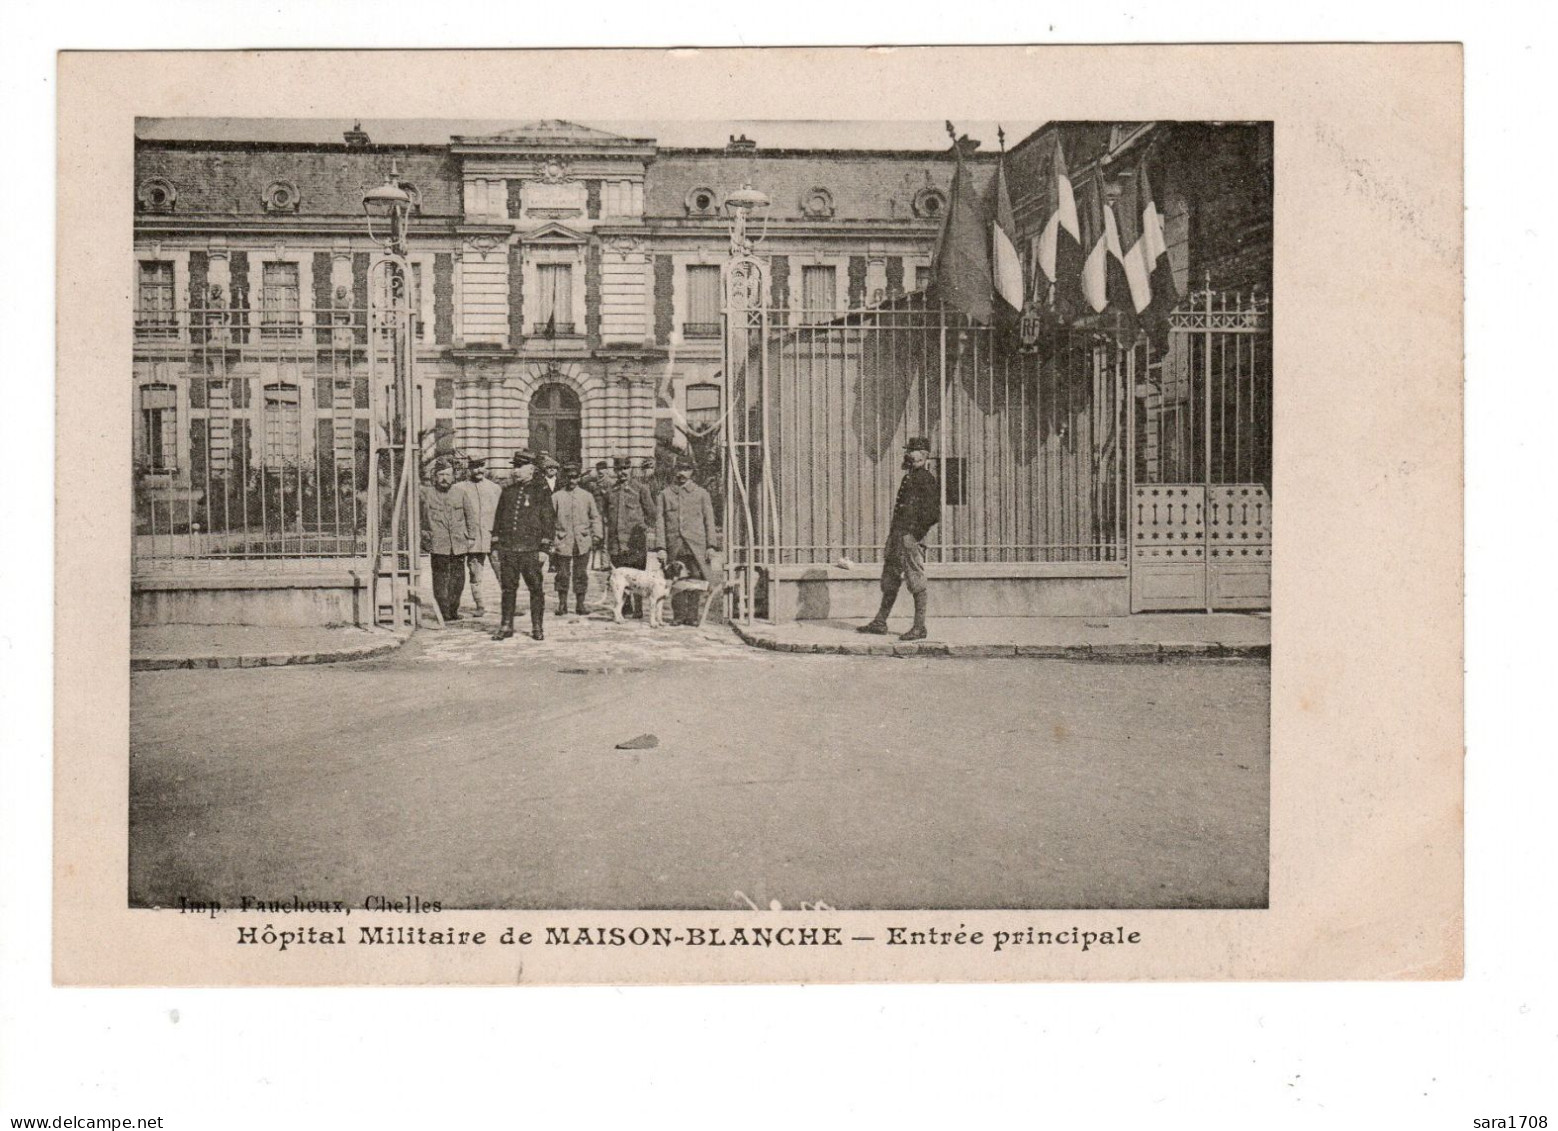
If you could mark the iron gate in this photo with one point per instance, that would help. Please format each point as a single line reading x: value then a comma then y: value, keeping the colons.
x: 1201, y: 521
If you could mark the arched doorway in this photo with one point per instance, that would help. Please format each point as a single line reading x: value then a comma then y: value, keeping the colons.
x: 555, y: 423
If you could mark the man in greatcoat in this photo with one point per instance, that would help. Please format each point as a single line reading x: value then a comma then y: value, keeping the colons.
x: 916, y: 509
x: 579, y: 531
x: 449, y: 524
x: 480, y: 485
x: 630, y: 522
x: 630, y: 516
x: 684, y: 523
x: 522, y: 538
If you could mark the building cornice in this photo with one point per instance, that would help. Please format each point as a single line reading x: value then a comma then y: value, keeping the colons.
x: 211, y: 144
x: 829, y: 154
x: 531, y: 150
x: 293, y: 225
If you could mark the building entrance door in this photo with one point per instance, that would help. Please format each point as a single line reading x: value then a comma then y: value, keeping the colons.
x: 555, y: 423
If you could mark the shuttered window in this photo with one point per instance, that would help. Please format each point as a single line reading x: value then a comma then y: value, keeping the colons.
x: 819, y: 293
x: 280, y: 306
x: 703, y: 286
x: 159, y: 426
x: 283, y: 426
x: 154, y: 316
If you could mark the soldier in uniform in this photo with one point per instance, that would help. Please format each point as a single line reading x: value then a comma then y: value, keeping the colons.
x: 486, y: 494
x: 630, y: 518
x: 449, y: 525
x: 522, y: 538
x: 684, y: 523
x: 597, y: 481
x: 916, y: 509
x: 630, y: 522
x: 579, y: 531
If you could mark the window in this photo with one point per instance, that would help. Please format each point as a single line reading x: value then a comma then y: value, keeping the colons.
x: 702, y: 201
x: 619, y: 199
x: 417, y: 321
x: 555, y: 281
x: 703, y: 284
x: 922, y: 279
x: 154, y: 316
x: 819, y: 294
x: 486, y: 198
x: 159, y: 426
x: 702, y: 405
x: 283, y: 426
x: 280, y: 309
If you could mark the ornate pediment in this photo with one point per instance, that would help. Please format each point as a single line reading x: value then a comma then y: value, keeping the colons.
x: 554, y: 233
x: 559, y: 132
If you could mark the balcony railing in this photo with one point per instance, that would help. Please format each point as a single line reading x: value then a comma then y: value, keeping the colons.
x: 555, y: 329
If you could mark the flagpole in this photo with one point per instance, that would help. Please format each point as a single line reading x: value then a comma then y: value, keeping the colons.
x: 941, y: 438
x: 941, y: 403
x: 1206, y: 443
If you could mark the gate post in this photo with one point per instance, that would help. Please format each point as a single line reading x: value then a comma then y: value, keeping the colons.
x: 1206, y: 442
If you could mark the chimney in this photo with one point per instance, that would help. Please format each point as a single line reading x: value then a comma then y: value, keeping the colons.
x: 742, y: 144
x: 355, y: 138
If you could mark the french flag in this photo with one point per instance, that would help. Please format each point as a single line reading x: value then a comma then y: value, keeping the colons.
x: 1163, y: 295
x: 1096, y: 232
x: 1005, y: 266
x: 1060, y: 258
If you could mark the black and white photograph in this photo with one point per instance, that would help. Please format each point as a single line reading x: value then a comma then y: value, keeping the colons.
x: 689, y: 514
x: 650, y: 577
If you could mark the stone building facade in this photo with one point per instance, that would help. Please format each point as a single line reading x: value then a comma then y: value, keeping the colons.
x: 567, y: 279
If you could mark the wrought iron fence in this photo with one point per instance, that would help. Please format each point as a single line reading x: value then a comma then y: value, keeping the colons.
x: 1029, y: 446
x: 1078, y: 449
x: 253, y: 431
x: 1205, y: 410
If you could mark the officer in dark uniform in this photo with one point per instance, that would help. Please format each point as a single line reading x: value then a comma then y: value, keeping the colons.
x: 915, y: 511
x: 522, y: 538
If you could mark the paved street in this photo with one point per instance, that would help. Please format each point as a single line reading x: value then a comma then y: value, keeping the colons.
x: 482, y: 774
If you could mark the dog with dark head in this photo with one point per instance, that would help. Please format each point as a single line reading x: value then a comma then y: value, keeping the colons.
x: 652, y: 584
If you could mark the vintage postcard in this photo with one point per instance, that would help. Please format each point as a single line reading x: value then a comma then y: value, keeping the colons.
x: 937, y: 514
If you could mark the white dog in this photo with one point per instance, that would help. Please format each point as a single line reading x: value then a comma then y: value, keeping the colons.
x: 651, y: 583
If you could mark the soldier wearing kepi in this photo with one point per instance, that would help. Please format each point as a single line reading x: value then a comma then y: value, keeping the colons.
x: 630, y: 521
x: 522, y: 538
x: 915, y: 511
x: 579, y: 531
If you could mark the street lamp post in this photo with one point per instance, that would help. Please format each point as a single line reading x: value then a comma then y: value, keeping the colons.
x: 390, y: 205
x: 746, y: 309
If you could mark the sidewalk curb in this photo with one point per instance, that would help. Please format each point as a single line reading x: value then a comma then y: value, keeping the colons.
x: 153, y: 662
x: 1122, y: 653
